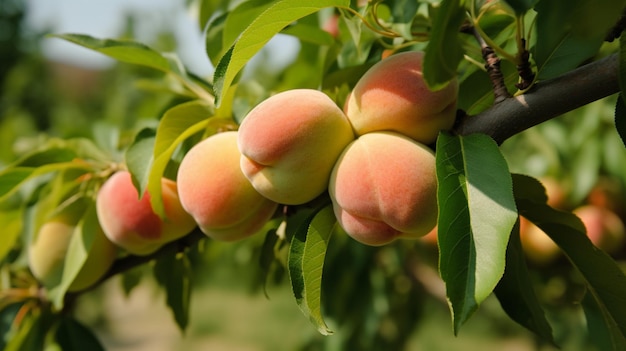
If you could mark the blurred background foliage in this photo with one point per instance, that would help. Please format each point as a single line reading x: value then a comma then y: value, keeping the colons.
x: 375, y: 298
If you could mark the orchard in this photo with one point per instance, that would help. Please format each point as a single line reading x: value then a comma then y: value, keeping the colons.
x: 412, y: 160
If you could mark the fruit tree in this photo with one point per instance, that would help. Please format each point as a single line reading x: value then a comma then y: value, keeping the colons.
x: 455, y: 152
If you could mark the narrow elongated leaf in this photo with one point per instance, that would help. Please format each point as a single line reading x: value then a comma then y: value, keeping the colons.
x: 444, y: 51
x: 12, y: 224
x: 605, y: 280
x: 571, y: 31
x: 173, y: 272
x: 604, y: 333
x: 515, y: 291
x: 306, y: 262
x: 81, y: 244
x: 476, y: 214
x: 178, y: 119
x: 139, y: 158
x: 620, y: 118
x: 620, y: 108
x: 125, y: 51
x: 12, y: 178
x: 258, y: 33
x: 178, y: 123
x: 71, y: 335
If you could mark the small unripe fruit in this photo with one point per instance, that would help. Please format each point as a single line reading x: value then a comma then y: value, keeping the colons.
x: 393, y: 96
x: 215, y: 192
x: 290, y: 142
x: 384, y: 187
x: 49, y: 248
x: 132, y: 224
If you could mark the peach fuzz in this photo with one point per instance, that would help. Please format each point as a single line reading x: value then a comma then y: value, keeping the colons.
x: 131, y: 223
x: 290, y: 142
x: 46, y: 254
x: 384, y: 187
x: 215, y: 192
x: 393, y: 96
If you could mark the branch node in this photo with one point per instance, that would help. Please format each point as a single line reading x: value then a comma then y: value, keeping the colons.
x: 524, y: 69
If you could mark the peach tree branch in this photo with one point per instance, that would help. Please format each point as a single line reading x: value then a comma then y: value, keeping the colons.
x: 545, y: 100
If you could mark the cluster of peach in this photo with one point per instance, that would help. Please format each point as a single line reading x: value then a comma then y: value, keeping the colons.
x: 371, y: 157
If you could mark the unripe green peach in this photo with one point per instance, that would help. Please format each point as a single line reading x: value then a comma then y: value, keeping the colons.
x: 215, y: 192
x: 131, y: 223
x: 384, y: 187
x: 393, y: 96
x: 46, y: 254
x: 290, y: 142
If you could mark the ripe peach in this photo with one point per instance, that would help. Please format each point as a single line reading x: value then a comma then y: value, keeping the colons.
x: 392, y: 95
x: 130, y: 222
x: 537, y: 245
x: 215, y: 192
x: 384, y: 187
x: 604, y: 228
x: 46, y: 254
x: 289, y: 145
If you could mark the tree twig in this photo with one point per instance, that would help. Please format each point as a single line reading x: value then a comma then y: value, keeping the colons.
x: 545, y: 100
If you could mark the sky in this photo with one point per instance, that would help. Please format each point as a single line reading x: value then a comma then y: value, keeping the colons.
x: 106, y: 19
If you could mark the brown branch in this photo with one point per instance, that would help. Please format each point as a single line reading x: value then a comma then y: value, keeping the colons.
x: 545, y: 100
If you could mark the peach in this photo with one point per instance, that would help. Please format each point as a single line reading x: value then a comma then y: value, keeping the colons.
x: 392, y: 96
x: 46, y: 254
x: 290, y: 142
x: 537, y: 245
x: 215, y: 192
x: 384, y: 187
x: 131, y: 223
x: 604, y: 228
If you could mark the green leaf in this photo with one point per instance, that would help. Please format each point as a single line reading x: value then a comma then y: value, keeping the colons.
x: 605, y: 279
x: 310, y: 33
x: 258, y: 33
x: 12, y: 224
x: 604, y: 333
x: 30, y: 334
x: 515, y: 291
x: 476, y: 214
x: 78, y: 250
x: 620, y: 117
x: 173, y: 272
x: 177, y: 120
x: 122, y: 50
x: 71, y: 335
x: 12, y: 178
x: 570, y: 32
x: 521, y: 6
x: 444, y: 51
x: 177, y: 125
x: 139, y: 158
x: 306, y: 263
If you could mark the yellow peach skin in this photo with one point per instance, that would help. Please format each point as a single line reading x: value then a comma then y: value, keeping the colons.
x: 130, y: 222
x: 384, y: 187
x: 392, y: 95
x: 290, y: 142
x: 215, y: 192
x: 46, y: 255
